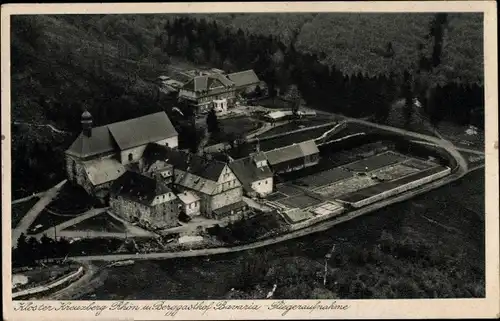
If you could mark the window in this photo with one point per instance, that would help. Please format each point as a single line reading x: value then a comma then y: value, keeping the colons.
x: 166, y: 144
x: 259, y: 183
x: 130, y: 157
x: 266, y: 181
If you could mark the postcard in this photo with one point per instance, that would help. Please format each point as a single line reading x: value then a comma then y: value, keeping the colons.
x: 250, y: 160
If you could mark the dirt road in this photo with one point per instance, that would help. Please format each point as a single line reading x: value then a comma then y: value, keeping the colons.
x: 32, y: 214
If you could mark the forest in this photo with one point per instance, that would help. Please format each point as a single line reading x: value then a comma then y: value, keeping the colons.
x: 62, y: 64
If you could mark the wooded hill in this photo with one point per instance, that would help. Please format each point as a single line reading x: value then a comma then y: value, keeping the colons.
x: 346, y: 63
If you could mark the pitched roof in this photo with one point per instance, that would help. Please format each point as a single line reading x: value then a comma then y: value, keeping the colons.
x: 100, y: 142
x: 284, y: 154
x: 142, y: 130
x: 123, y: 135
x: 138, y: 188
x: 291, y: 152
x: 244, y: 78
x: 247, y: 172
x: 192, y: 163
x: 213, y: 82
x: 188, y: 197
x: 194, y: 182
x: 309, y: 147
x: 103, y: 170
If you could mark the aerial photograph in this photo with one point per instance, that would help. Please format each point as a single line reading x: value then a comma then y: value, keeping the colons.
x: 247, y: 156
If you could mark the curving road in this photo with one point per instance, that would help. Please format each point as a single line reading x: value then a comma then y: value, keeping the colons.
x: 461, y: 170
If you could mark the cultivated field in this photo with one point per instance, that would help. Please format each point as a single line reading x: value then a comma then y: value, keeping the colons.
x: 375, y: 162
x: 300, y: 201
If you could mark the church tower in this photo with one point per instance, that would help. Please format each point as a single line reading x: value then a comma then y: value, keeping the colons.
x: 86, y: 123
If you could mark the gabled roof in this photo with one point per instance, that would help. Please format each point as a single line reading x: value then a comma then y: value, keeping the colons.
x: 210, y: 169
x: 123, y: 135
x: 100, y: 142
x: 247, y: 172
x: 138, y: 188
x: 208, y: 82
x: 284, y: 154
x: 291, y: 152
x: 103, y: 170
x: 188, y: 197
x: 244, y: 78
x: 194, y: 182
x: 142, y: 130
x: 309, y: 148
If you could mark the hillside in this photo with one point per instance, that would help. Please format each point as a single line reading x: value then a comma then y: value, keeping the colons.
x: 355, y: 42
x: 62, y: 64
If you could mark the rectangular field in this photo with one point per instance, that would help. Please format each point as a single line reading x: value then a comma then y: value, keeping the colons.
x: 361, y: 194
x: 326, y: 177
x: 419, y: 164
x: 297, y: 215
x: 276, y: 196
x: 375, y: 162
x: 288, y: 190
x: 300, y: 201
x: 394, y: 172
x: 326, y: 208
x: 346, y: 186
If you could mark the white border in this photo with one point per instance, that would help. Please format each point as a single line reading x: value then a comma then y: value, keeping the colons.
x: 390, y: 309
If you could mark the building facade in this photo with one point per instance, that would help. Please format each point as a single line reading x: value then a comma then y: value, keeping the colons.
x: 217, y: 90
x: 293, y: 157
x: 100, y: 155
x: 254, y: 174
x: 150, y: 202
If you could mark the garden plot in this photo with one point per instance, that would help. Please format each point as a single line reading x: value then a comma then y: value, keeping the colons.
x: 346, y: 186
x: 375, y: 162
x: 327, y: 208
x: 276, y: 196
x: 300, y: 201
x: 390, y: 173
x: 288, y: 190
x: 419, y: 164
x: 297, y: 215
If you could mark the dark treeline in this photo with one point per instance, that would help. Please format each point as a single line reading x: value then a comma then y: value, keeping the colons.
x: 325, y: 87
x: 31, y: 250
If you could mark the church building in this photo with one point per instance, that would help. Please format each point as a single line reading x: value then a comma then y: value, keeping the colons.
x: 100, y: 155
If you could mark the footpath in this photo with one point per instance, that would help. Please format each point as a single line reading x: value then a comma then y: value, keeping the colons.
x: 32, y: 214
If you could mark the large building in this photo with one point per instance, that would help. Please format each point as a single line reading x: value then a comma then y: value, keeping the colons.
x: 293, y: 157
x: 254, y: 174
x: 100, y: 155
x: 219, y: 190
x: 142, y: 199
x: 217, y: 90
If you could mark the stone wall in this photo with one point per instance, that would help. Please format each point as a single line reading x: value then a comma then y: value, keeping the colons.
x: 161, y: 215
x: 226, y: 198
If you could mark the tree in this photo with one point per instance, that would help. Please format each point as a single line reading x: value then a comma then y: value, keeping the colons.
x: 212, y: 122
x: 46, y: 247
x: 199, y: 55
x: 293, y: 95
x: 408, y: 97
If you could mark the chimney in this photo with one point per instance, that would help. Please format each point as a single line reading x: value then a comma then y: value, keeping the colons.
x: 86, y: 121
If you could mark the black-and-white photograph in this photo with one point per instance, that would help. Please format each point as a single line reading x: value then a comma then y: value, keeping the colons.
x: 247, y: 156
